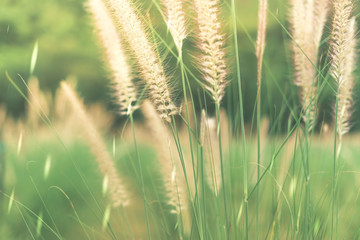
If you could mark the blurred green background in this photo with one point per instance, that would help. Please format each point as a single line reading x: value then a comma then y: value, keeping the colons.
x: 68, y: 46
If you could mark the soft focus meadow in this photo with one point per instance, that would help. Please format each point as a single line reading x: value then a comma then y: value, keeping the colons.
x: 179, y: 119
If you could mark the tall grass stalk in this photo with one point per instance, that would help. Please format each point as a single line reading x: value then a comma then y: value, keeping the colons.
x: 141, y: 176
x: 307, y: 206
x: 334, y: 172
x: 174, y: 182
x: 242, y: 122
x: 191, y: 192
x: 343, y: 59
x: 307, y: 22
x: 214, y: 69
x: 173, y: 127
x: 202, y: 168
x: 260, y: 47
x: 183, y: 80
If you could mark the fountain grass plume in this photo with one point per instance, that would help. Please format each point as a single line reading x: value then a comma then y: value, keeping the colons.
x: 211, y: 43
x: 261, y: 36
x: 112, y: 44
x: 307, y: 19
x: 343, y: 60
x: 149, y: 63
x: 176, y: 21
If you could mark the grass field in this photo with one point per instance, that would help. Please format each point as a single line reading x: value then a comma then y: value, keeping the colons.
x: 67, y: 202
x: 213, y: 131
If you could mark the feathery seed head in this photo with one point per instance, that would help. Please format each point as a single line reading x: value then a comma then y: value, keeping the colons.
x: 321, y: 13
x: 149, y: 63
x: 176, y: 21
x: 261, y: 34
x: 307, y: 18
x: 343, y: 59
x: 260, y: 41
x: 125, y: 89
x: 211, y: 43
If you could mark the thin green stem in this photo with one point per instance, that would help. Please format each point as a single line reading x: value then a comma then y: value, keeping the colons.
x: 189, y: 129
x: 258, y: 118
x: 141, y: 175
x: 175, y: 134
x: 203, y: 190
x: 307, y: 218
x: 241, y: 107
x: 334, y: 170
x: 189, y: 133
x: 227, y: 229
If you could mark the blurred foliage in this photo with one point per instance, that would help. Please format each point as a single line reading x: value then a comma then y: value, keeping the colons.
x: 66, y: 47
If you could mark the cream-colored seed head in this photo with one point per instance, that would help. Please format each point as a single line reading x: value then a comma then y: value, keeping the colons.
x: 261, y: 35
x: 125, y: 89
x: 117, y: 189
x: 343, y: 57
x: 149, y: 63
x: 307, y: 18
x: 321, y: 12
x: 176, y: 21
x: 211, y: 43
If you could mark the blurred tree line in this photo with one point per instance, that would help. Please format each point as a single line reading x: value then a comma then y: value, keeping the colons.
x: 68, y: 46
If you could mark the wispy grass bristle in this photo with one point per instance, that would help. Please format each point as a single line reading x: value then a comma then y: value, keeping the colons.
x: 307, y: 20
x: 176, y: 21
x: 125, y: 90
x: 149, y: 63
x: 261, y: 36
x: 211, y: 43
x: 343, y: 60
